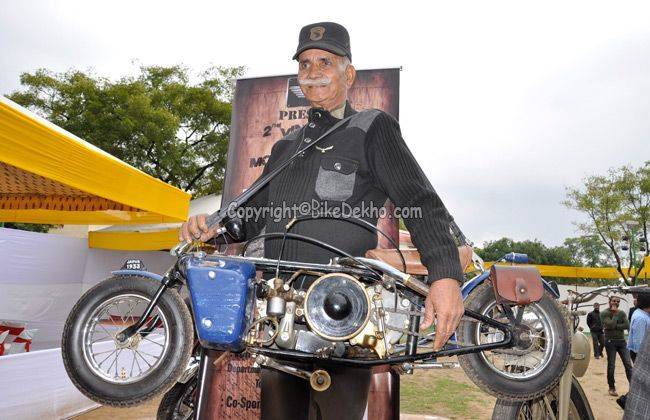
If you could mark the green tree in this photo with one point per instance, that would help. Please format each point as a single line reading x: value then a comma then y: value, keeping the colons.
x: 158, y: 121
x: 32, y: 227
x: 589, y: 250
x: 617, y: 206
x: 537, y: 252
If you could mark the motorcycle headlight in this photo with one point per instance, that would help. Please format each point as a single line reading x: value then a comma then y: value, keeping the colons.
x: 337, y: 307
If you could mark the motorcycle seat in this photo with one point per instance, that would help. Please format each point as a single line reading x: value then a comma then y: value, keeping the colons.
x: 414, y: 265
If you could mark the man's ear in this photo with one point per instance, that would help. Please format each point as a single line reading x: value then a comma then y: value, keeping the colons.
x: 350, y: 75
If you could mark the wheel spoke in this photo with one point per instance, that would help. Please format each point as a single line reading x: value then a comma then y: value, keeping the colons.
x: 135, y: 357
x: 132, y: 363
x: 146, y: 338
x: 100, y: 363
x: 114, y: 361
x: 130, y: 313
x: 148, y: 354
x: 142, y: 357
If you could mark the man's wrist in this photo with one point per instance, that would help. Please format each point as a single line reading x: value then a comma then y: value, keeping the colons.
x: 440, y: 274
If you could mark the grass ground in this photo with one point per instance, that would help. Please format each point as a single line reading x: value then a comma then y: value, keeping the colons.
x: 446, y: 393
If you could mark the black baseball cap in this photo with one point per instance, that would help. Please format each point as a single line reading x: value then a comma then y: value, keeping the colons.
x: 328, y: 36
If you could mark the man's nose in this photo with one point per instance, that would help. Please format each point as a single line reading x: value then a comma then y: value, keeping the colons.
x: 314, y: 72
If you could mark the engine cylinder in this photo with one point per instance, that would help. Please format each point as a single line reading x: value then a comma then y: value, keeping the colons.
x: 275, y: 306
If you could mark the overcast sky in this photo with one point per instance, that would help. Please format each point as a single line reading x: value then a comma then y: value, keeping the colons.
x: 503, y: 103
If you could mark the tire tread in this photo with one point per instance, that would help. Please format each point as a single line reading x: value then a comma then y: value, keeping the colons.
x: 475, y: 376
x: 188, y: 329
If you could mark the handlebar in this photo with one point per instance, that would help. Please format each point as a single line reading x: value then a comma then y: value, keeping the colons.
x: 182, y: 247
x: 587, y: 296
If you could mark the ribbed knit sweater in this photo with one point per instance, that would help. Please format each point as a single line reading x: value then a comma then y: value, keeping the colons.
x: 358, y: 166
x: 614, y: 324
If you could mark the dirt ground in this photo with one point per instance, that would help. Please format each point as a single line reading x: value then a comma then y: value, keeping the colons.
x: 479, y: 406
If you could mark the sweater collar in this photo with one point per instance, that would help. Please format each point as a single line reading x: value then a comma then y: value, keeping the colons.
x: 320, y: 115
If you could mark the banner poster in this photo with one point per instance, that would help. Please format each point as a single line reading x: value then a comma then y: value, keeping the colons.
x: 267, y: 108
x: 264, y: 110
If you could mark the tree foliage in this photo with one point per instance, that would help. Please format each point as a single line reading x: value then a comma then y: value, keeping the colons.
x: 617, y: 206
x: 537, y: 252
x: 158, y: 121
x: 589, y: 251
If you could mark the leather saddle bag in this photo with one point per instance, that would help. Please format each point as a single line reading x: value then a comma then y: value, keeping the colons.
x: 516, y: 285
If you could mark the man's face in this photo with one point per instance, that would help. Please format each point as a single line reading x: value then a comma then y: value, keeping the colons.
x: 324, y: 78
x: 614, y: 303
x: 596, y: 307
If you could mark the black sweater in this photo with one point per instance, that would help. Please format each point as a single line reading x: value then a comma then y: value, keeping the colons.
x: 358, y: 166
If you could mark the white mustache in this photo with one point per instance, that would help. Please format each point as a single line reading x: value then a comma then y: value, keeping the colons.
x: 323, y: 81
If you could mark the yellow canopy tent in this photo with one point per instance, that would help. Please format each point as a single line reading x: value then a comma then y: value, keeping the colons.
x: 148, y: 237
x: 48, y: 175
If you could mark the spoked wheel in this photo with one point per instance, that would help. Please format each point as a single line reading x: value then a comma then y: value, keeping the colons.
x: 534, y: 365
x: 545, y: 407
x: 126, y: 373
x: 178, y: 402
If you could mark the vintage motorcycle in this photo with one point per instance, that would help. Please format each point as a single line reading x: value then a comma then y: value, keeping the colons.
x: 130, y: 337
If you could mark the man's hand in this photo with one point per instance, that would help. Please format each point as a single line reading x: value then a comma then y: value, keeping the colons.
x: 195, y: 229
x: 445, y: 303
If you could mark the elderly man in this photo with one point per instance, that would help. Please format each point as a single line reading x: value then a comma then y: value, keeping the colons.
x: 361, y: 163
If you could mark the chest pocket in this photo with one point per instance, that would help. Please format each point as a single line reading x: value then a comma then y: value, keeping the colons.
x: 336, y: 178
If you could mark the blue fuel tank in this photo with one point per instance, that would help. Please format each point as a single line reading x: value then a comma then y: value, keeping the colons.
x: 222, y: 296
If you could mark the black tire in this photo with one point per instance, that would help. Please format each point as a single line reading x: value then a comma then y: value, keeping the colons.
x: 579, y: 409
x: 178, y: 402
x: 174, y: 356
x: 497, y: 383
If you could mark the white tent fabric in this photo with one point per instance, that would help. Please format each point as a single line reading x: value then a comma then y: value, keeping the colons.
x: 35, y: 386
x: 42, y: 277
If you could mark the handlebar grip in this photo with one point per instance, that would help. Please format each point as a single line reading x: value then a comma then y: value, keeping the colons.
x: 517, y: 258
x: 457, y: 233
x: 638, y: 289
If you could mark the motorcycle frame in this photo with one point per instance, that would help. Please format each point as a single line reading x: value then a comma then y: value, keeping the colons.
x: 174, y: 277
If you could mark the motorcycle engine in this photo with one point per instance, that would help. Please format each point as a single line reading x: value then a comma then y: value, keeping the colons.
x: 337, y: 315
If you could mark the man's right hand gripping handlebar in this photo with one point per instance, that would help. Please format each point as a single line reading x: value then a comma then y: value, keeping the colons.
x: 198, y: 229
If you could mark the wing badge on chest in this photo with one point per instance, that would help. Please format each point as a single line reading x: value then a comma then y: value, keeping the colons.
x: 324, y: 149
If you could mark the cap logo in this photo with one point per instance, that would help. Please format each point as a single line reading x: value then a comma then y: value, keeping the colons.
x: 316, y: 33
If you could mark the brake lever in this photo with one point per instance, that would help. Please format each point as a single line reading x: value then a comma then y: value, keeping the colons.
x: 184, y: 247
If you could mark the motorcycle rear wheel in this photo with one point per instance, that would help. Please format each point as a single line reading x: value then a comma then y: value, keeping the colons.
x: 545, y: 407
x: 524, y: 372
x: 148, y: 364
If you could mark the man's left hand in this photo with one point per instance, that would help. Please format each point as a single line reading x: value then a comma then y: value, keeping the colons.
x: 444, y: 303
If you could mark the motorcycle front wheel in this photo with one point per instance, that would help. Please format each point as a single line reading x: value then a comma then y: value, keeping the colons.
x: 149, y: 363
x: 545, y: 407
x: 528, y: 370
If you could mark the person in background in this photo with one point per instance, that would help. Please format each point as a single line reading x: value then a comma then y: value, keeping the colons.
x: 615, y: 322
x: 637, y: 404
x: 596, y: 328
x: 639, y: 325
